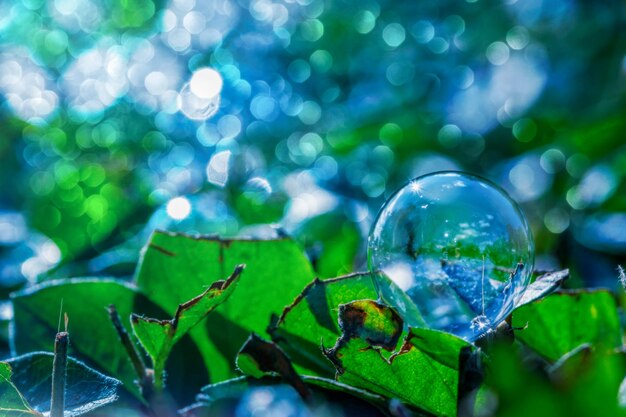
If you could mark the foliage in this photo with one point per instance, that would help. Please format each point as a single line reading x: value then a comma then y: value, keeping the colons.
x: 25, y: 387
x: 323, y: 109
x: 333, y: 341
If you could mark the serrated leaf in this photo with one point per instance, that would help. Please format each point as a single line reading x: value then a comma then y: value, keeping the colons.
x: 427, y: 362
x: 423, y: 373
x: 543, y: 286
x: 312, y: 319
x: 86, y: 389
x: 175, y: 267
x: 12, y: 403
x: 159, y: 336
x: 558, y: 324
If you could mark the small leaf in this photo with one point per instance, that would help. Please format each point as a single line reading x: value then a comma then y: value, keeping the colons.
x: 258, y: 358
x: 159, y: 336
x: 543, y: 286
x: 12, y: 403
x: 86, y: 389
x: 558, y: 324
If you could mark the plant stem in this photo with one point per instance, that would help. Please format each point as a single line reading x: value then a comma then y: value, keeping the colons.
x: 59, y: 371
x: 145, y: 381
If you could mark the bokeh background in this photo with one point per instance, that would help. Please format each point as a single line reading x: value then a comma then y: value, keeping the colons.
x: 221, y: 116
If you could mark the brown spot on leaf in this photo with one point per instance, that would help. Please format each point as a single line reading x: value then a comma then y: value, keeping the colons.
x: 376, y: 323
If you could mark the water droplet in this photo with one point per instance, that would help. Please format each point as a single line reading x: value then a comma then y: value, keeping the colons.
x: 458, y: 246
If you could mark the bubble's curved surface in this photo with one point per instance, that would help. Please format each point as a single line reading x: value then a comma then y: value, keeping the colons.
x: 458, y: 246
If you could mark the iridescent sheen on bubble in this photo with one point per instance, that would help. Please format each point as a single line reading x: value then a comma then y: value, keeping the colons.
x: 458, y: 246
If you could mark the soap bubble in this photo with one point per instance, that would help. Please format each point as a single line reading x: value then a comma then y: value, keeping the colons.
x: 458, y: 247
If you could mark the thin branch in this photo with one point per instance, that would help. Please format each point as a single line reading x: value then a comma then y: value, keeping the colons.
x: 143, y: 376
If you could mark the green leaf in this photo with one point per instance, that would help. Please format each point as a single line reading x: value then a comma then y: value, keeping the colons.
x: 543, y: 286
x: 312, y: 319
x: 332, y: 241
x: 590, y: 386
x: 12, y: 403
x: 563, y: 321
x: 259, y: 358
x: 427, y: 362
x: 423, y: 373
x: 176, y: 267
x: 159, y: 336
x: 94, y: 339
x: 86, y: 389
x: 570, y: 365
x: 84, y: 300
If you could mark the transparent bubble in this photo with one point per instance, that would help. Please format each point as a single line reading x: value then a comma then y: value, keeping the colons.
x: 458, y: 247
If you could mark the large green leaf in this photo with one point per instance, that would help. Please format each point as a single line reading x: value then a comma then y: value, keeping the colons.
x: 563, y: 321
x: 84, y: 301
x: 159, y: 336
x: 417, y: 377
x: 423, y: 373
x: 93, y: 337
x: 312, y: 319
x: 85, y: 390
x: 176, y: 267
x: 12, y: 403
